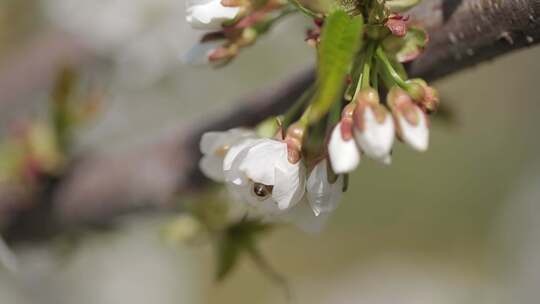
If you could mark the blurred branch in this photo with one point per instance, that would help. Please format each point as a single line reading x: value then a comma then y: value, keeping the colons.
x: 32, y: 66
x: 98, y: 187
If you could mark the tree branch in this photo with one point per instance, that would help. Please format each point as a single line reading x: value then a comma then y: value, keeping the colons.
x: 98, y: 187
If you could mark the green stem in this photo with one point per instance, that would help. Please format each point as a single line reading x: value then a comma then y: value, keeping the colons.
x: 264, y: 26
x: 387, y: 80
x: 304, y: 119
x: 389, y: 69
x: 304, y: 9
x: 374, y: 75
x: 364, y: 81
x: 355, y: 75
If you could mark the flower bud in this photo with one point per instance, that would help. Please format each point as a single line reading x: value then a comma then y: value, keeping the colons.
x: 416, y: 91
x: 397, y: 26
x: 374, y: 130
x: 430, y: 102
x: 294, y: 139
x: 411, y: 121
x: 369, y: 96
x: 342, y: 150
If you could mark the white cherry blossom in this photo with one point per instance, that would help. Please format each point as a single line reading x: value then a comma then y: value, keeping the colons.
x: 260, y: 174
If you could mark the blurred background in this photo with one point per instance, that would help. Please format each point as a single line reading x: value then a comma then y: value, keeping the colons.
x: 457, y: 224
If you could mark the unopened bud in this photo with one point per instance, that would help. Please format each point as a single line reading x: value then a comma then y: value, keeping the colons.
x: 374, y: 130
x: 397, y: 96
x: 430, y: 102
x: 249, y: 35
x: 415, y: 90
x: 398, y: 27
x: 411, y: 122
x: 342, y: 150
x: 294, y: 139
x: 369, y: 96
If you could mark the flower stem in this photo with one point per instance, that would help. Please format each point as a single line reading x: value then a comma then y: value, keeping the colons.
x: 364, y: 81
x: 389, y: 70
x: 304, y: 119
x: 293, y: 112
x: 356, y: 73
x: 375, y: 75
x: 304, y: 9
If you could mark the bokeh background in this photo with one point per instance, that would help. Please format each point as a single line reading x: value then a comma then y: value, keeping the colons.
x: 457, y: 224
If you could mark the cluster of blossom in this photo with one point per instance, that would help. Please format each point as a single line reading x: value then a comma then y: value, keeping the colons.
x: 276, y: 175
x: 231, y: 25
x: 267, y: 176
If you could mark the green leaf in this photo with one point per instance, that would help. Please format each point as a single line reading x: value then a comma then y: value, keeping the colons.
x: 234, y: 241
x: 340, y: 39
x: 406, y: 48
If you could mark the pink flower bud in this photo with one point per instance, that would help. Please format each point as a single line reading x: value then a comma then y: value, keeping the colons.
x: 412, y: 123
x: 397, y: 26
x: 374, y: 130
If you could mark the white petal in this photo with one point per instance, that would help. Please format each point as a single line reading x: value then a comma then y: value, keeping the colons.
x: 234, y: 151
x: 377, y: 138
x: 259, y: 163
x: 211, y: 163
x: 302, y: 216
x: 289, y: 185
x: 210, y: 141
x: 212, y: 167
x: 344, y: 155
x: 416, y: 136
x: 210, y: 15
x: 233, y: 160
x: 323, y: 196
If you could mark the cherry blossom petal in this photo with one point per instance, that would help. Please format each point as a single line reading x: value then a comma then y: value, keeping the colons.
x: 259, y: 163
x: 290, y: 184
x: 376, y: 139
x: 212, y: 167
x: 322, y: 195
x: 209, y: 15
x: 416, y: 136
x: 344, y: 154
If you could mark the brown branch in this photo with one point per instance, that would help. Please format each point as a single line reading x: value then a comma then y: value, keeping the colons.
x: 98, y: 186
